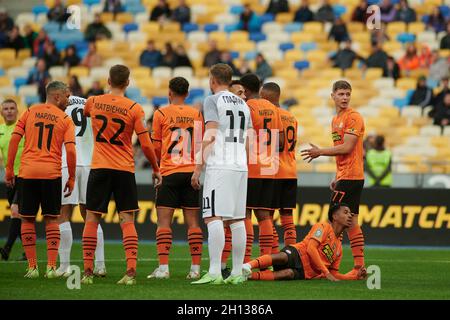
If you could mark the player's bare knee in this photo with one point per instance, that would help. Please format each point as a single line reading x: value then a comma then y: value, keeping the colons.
x: 191, y: 218
x: 51, y: 219
x: 286, y: 274
x: 280, y: 258
x: 126, y: 217
x: 15, y: 211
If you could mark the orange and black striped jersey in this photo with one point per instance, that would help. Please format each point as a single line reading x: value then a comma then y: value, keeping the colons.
x: 349, y: 166
x: 177, y: 131
x: 113, y: 120
x: 263, y: 155
x: 330, y: 249
x: 288, y: 141
x: 46, y: 128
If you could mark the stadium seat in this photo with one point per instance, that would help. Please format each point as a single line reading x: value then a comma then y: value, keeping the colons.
x: 430, y: 131
x: 16, y: 72
x: 79, y: 71
x: 286, y: 46
x: 308, y: 46
x: 27, y: 90
x: 39, y: 9
x: 411, y: 112
x: 271, y: 27
x: 210, y: 27
x: 57, y: 72
x: 130, y: 27
x: 197, y: 36
x: 257, y: 36
x: 267, y: 17
x: 160, y: 101
x: 185, y: 72
x: 293, y: 27
x: 406, y: 37
x: 189, y: 27
x: 162, y: 72
x: 124, y: 18
x: 32, y: 99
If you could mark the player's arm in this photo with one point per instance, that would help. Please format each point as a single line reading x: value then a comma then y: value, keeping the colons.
x: 316, y: 261
x: 88, y: 106
x: 146, y: 145
x: 16, y: 136
x: 156, y: 135
x: 334, y: 269
x: 347, y: 147
x: 71, y: 156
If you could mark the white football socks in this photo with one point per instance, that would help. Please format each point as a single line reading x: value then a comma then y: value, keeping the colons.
x: 216, y: 242
x: 65, y: 245
x: 100, y: 250
x: 238, y: 242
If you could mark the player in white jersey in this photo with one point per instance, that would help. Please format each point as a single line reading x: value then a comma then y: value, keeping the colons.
x: 84, y: 147
x: 224, y: 150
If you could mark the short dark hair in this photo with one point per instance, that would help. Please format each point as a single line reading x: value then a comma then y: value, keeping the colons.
x: 272, y: 87
x: 179, y: 86
x: 119, y: 75
x: 222, y: 73
x: 251, y: 82
x: 235, y: 82
x: 341, y: 84
x: 379, y: 141
x: 333, y: 208
x: 9, y: 101
x: 55, y: 86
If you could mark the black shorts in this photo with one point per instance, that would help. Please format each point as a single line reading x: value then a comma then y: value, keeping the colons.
x: 294, y: 263
x: 285, y: 192
x: 104, y: 183
x: 11, y: 194
x: 260, y: 193
x: 176, y: 192
x: 349, y: 192
x: 32, y: 193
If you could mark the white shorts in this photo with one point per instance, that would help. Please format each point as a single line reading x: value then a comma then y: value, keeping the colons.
x: 224, y: 194
x: 79, y: 190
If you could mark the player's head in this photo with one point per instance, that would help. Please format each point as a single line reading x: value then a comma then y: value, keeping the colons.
x: 237, y: 88
x: 340, y: 213
x: 342, y: 91
x: 178, y: 88
x: 220, y: 76
x: 9, y: 111
x: 251, y: 84
x: 379, y: 142
x: 119, y: 77
x: 271, y: 91
x: 58, y: 93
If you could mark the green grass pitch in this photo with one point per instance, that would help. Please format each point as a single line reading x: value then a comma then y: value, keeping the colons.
x: 405, y: 274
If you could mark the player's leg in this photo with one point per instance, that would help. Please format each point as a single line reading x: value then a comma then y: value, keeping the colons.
x: 66, y: 241
x: 226, y: 253
x: 265, y: 223
x: 276, y: 240
x: 250, y: 235
x: 98, y: 194
x: 195, y: 240
x: 28, y: 201
x: 288, y: 202
x: 269, y: 275
x: 15, y: 224
x: 163, y: 242
x: 125, y: 194
x: 265, y: 261
x: 51, y: 190
x: 349, y: 192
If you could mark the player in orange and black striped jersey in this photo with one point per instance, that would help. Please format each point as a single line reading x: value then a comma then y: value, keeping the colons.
x: 176, y: 134
x: 286, y: 179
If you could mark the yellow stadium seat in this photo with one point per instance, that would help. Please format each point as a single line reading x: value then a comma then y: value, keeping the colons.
x: 395, y: 27
x: 300, y: 36
x: 441, y: 142
x: 373, y: 73
x: 140, y: 72
x: 407, y: 131
x: 107, y: 17
x: 287, y: 74
x: 361, y: 37
x: 353, y: 27
x: 444, y: 52
x: 284, y: 17
x: 313, y: 27
x: 124, y: 17
x: 218, y: 36
x: 406, y: 83
x: 293, y: 55
x: 416, y: 27
x: 79, y: 71
x: 23, y: 54
x: 50, y: 3
x: 7, y: 54
x: 389, y: 112
x: 353, y: 73
x: 72, y: 2
x: 325, y: 167
x: 392, y: 46
x: 171, y: 27
x: 303, y: 166
x: 331, y: 73
x: 150, y: 27
x: 239, y: 36
x: 242, y: 46
x: 4, y: 81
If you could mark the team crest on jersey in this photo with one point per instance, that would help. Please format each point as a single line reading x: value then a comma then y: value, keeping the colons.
x: 318, y: 233
x: 336, y: 136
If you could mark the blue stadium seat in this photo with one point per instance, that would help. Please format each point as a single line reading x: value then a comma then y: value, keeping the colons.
x: 250, y: 55
x: 130, y: 27
x: 160, y: 101
x: 133, y: 93
x: 134, y: 8
x: 339, y: 10
x: 409, y: 94
x: 445, y: 10
x: 254, y: 24
x: 425, y: 18
x: 18, y: 82
x: 234, y: 54
x: 370, y: 2
x: 39, y: 9
x: 293, y: 27
x: 2, y: 72
x: 51, y: 27
x: 196, y: 92
x: 132, y: 2
x: 308, y: 46
x: 189, y: 27
x: 210, y: 27
x: 81, y: 45
x: 91, y: 2
x: 400, y: 102
x: 61, y: 45
x: 257, y: 36
x: 267, y: 17
x: 432, y: 83
x: 301, y: 65
x: 29, y: 100
x: 189, y: 100
x: 236, y: 9
x: 231, y: 27
x: 141, y: 100
x: 286, y: 46
x: 406, y: 37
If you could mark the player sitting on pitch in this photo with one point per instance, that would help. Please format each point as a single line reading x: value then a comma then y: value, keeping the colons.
x: 317, y: 256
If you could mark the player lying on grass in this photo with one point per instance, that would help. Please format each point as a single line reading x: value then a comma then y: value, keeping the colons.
x: 317, y: 256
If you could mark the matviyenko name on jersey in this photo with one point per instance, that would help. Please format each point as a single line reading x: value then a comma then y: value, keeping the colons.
x: 46, y: 116
x: 232, y: 99
x: 110, y: 108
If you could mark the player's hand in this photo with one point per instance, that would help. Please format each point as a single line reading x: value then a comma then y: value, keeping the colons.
x: 157, y: 179
x: 195, y: 180
x: 10, y: 179
x: 330, y: 277
x: 69, y: 187
x: 310, y: 154
x: 362, y: 273
x: 333, y: 185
